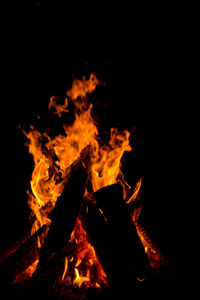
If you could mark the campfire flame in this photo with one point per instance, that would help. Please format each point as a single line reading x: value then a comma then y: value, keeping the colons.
x: 53, y: 158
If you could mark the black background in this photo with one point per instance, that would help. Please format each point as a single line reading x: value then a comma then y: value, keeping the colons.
x: 141, y: 55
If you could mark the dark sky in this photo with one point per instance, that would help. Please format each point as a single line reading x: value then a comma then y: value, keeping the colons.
x: 142, y: 60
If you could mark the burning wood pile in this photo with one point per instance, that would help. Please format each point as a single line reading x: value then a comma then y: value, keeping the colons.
x: 86, y: 234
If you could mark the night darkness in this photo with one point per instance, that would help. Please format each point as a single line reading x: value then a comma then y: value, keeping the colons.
x: 144, y: 75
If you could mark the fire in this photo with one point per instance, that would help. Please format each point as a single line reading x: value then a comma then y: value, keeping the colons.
x: 53, y: 158
x: 136, y: 191
x: 26, y: 273
x: 65, y: 268
x: 79, y: 280
x: 87, y: 266
x: 106, y: 161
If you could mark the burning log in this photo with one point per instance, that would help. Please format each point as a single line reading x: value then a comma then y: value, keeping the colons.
x: 99, y: 234
x: 62, y: 223
x: 65, y: 212
x: 64, y: 215
x: 111, y: 202
x: 23, y: 257
x: 115, y: 239
x: 15, y: 244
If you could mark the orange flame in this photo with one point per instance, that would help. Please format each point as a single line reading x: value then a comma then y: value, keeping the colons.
x: 106, y: 160
x: 53, y: 158
x: 85, y: 258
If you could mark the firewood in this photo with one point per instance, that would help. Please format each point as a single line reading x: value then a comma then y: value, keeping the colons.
x: 65, y: 213
x: 108, y: 249
x: 66, y: 210
x: 99, y: 235
x: 113, y: 235
x: 14, y: 244
x: 22, y: 258
x: 123, y: 232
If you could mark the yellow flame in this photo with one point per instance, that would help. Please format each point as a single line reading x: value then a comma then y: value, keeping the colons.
x: 79, y: 280
x: 106, y: 159
x: 136, y: 191
x: 65, y: 268
x: 54, y: 156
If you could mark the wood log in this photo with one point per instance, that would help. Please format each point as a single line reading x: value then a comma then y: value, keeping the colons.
x: 64, y: 214
x: 108, y: 250
x: 22, y: 258
x: 115, y: 239
x: 14, y: 244
x: 66, y: 210
x: 99, y: 235
x: 124, y: 234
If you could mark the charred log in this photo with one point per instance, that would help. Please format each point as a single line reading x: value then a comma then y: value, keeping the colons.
x: 63, y: 219
x: 107, y: 248
x: 66, y: 210
x: 64, y: 215
x: 15, y: 244
x: 124, y: 234
x: 22, y: 258
x: 99, y: 234
x: 115, y: 239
